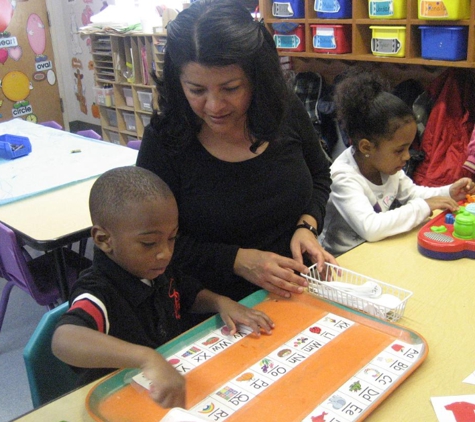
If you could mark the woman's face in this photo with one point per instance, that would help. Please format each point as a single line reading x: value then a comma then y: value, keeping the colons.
x: 220, y: 96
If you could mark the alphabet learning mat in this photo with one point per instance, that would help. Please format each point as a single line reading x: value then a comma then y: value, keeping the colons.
x: 323, y: 362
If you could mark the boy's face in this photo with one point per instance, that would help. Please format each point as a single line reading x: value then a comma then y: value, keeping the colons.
x: 142, y: 240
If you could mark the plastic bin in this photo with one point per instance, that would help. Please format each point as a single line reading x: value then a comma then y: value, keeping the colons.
x: 389, y: 41
x: 387, y: 9
x: 331, y: 39
x: 292, y: 40
x: 444, y: 42
x: 145, y: 119
x: 104, y: 96
x: 129, y: 119
x: 145, y: 99
x: 13, y: 146
x: 333, y: 9
x: 129, y: 99
x: 389, y: 310
x: 111, y: 117
x: 443, y: 9
x: 288, y: 9
x: 114, y: 137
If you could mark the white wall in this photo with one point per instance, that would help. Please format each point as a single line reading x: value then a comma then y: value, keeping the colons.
x: 72, y: 54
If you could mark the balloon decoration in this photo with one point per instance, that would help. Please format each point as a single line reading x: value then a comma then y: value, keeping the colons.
x: 35, y: 30
x: 6, y: 14
x: 3, y: 55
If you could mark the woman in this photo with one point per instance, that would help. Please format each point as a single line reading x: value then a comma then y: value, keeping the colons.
x: 240, y: 154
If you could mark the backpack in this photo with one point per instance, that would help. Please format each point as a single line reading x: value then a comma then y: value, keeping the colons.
x: 317, y: 97
x: 413, y: 94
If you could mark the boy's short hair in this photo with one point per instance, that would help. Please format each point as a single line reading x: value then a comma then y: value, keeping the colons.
x: 116, y: 188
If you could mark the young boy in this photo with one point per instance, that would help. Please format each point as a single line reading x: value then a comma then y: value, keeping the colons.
x: 131, y: 301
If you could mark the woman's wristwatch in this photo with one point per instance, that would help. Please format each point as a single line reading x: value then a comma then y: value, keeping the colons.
x: 305, y: 225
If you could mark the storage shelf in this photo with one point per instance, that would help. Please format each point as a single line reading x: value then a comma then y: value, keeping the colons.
x: 111, y: 53
x: 361, y: 34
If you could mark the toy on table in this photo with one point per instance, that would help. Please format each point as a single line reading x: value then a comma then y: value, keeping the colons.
x: 450, y: 236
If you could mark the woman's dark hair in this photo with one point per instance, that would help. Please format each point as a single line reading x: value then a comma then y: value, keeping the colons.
x: 220, y: 33
x: 366, y: 108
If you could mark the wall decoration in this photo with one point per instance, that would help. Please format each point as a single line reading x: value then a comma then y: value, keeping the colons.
x: 26, y: 61
x: 16, y: 87
x: 35, y: 30
x: 15, y: 53
x: 3, y: 55
x: 6, y: 14
x: 80, y: 91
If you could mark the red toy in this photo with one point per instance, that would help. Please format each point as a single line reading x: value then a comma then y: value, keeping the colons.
x: 450, y: 236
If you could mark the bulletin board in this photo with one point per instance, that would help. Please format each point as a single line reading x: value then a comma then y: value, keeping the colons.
x: 29, y: 87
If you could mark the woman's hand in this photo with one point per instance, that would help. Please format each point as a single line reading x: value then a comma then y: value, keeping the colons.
x: 270, y: 271
x: 304, y: 242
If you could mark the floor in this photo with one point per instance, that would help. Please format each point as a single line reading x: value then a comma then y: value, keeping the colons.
x: 23, y: 314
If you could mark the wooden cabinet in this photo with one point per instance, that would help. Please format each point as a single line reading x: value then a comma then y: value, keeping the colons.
x: 125, y: 90
x: 359, y: 28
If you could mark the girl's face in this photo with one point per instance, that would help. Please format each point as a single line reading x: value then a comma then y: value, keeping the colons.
x: 220, y: 96
x: 142, y: 240
x: 391, y: 155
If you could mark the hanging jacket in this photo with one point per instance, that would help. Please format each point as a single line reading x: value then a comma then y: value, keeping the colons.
x: 449, y: 127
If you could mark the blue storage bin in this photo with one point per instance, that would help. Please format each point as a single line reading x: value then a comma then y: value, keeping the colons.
x: 444, y: 42
x: 288, y: 9
x: 333, y: 9
x: 12, y: 146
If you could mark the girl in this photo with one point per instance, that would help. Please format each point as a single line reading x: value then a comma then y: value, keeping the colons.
x: 372, y: 198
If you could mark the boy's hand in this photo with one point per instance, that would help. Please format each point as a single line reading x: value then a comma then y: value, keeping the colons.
x: 234, y: 313
x: 167, y: 385
x: 461, y: 188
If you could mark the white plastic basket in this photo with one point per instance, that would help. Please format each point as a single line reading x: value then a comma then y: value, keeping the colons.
x: 389, y: 306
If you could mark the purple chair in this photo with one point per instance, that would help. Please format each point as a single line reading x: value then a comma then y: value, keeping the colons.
x: 89, y: 133
x: 53, y: 124
x: 35, y: 276
x: 134, y: 144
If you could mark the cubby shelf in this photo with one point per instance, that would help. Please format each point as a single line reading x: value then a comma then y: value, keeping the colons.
x: 123, y: 63
x: 361, y: 33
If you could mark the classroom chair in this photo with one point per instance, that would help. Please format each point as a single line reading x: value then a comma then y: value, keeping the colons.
x: 53, y: 124
x: 134, y: 144
x: 48, y: 377
x: 89, y: 133
x: 35, y: 276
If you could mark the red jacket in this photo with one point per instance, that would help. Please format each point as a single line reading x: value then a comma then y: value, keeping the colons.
x: 448, y: 130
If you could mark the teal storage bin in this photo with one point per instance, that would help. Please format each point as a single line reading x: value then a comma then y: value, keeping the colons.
x: 12, y: 146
